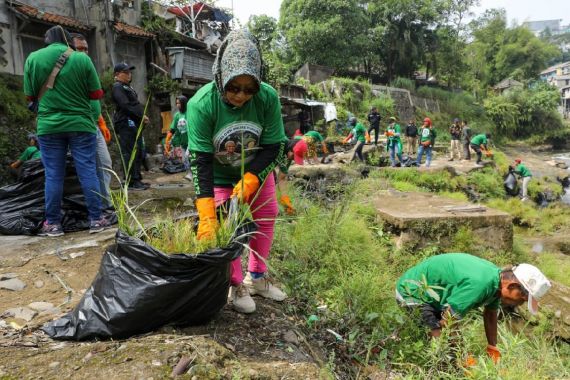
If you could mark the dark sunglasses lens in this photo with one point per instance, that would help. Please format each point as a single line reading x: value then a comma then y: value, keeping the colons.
x: 236, y: 90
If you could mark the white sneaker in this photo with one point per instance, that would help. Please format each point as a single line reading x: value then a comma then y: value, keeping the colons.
x: 188, y: 177
x: 241, y: 300
x: 264, y: 287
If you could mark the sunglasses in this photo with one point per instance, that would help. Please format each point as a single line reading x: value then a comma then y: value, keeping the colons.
x: 246, y: 90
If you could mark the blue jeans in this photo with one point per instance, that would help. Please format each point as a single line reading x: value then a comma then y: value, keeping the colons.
x: 421, y: 150
x: 395, y: 151
x: 104, y: 164
x: 83, y: 147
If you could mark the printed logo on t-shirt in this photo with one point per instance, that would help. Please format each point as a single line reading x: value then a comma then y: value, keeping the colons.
x: 425, y: 132
x: 228, y: 143
x: 181, y: 126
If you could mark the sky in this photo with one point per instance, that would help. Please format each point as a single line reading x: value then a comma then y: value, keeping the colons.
x: 521, y: 10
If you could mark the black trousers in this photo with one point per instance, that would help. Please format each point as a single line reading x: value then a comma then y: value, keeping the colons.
x: 477, y: 149
x: 128, y: 142
x: 376, y: 129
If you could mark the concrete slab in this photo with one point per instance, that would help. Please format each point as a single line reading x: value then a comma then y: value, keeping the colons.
x: 422, y: 218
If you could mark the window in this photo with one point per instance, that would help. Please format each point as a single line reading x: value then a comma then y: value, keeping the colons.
x: 30, y: 44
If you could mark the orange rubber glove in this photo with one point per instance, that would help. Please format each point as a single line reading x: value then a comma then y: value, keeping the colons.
x: 389, y: 133
x: 347, y: 139
x: 167, y: 146
x: 104, y: 130
x: 488, y: 153
x: 208, y: 223
x: 286, y: 202
x: 246, y: 187
x: 470, y: 361
x: 325, y: 150
x: 14, y: 165
x: 493, y: 353
x: 367, y: 137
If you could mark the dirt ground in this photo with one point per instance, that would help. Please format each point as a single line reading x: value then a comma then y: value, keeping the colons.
x: 268, y: 344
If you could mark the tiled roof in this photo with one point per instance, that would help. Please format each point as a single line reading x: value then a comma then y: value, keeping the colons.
x: 131, y: 30
x: 50, y: 18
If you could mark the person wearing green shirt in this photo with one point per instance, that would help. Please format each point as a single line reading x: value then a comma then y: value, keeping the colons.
x: 394, y: 143
x: 32, y: 152
x: 427, y: 141
x: 234, y: 122
x: 447, y: 286
x: 312, y: 138
x: 360, y: 134
x: 177, y: 137
x: 65, y: 122
x: 526, y: 176
x: 479, y: 145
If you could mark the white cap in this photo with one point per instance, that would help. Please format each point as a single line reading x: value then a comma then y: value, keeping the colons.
x: 534, y: 281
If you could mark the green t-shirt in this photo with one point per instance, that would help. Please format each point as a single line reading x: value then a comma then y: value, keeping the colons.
x: 523, y: 171
x: 30, y: 153
x: 179, y: 129
x: 479, y: 140
x: 359, y: 132
x: 466, y: 282
x: 396, y: 130
x: 221, y: 129
x: 315, y: 135
x: 66, y: 107
x: 95, y: 111
x: 427, y: 134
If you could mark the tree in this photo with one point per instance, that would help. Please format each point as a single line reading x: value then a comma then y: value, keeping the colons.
x: 325, y: 32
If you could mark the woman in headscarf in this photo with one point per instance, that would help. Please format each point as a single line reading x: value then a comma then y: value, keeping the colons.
x: 177, y: 137
x: 238, y: 107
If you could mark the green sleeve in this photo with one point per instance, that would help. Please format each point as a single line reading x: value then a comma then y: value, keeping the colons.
x: 273, y: 130
x: 28, y: 85
x: 174, y: 123
x: 91, y: 74
x: 201, y: 133
x: 26, y: 154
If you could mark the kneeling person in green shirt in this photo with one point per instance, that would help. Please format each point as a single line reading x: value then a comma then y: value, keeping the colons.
x: 32, y: 152
x: 447, y: 286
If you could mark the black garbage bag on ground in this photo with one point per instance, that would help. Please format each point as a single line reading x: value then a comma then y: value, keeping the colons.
x: 139, y: 289
x: 511, y: 184
x: 172, y: 166
x: 22, y: 204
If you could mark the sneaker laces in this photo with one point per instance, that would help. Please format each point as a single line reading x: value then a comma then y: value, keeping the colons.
x: 241, y: 291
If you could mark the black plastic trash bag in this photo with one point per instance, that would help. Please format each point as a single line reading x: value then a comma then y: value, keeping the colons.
x: 173, y: 166
x: 139, y: 289
x: 22, y: 204
x: 511, y: 185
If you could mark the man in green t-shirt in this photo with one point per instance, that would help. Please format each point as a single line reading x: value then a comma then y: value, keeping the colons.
x: 525, y: 174
x: 446, y: 287
x: 360, y: 134
x: 65, y: 122
x: 479, y: 145
x: 394, y: 143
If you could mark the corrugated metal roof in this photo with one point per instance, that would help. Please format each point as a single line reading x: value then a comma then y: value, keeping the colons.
x: 50, y: 18
x: 131, y: 30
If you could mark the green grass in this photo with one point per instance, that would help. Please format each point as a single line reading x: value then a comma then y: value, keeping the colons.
x: 340, y: 258
x: 555, y: 266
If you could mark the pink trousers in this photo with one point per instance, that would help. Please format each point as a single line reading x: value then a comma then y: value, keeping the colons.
x: 264, y: 210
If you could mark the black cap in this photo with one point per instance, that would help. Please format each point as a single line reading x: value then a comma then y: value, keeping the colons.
x: 123, y: 66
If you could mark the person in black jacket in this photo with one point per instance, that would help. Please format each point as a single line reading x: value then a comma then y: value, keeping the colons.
x: 129, y: 114
x: 374, y: 120
x: 411, y: 133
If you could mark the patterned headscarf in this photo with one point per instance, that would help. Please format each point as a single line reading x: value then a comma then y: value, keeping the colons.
x: 238, y: 55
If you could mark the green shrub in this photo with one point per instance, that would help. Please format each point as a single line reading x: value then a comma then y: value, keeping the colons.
x: 405, y: 83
